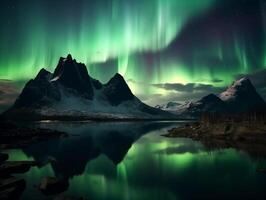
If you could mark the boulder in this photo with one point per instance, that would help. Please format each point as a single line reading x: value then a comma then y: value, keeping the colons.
x: 3, y: 157
x: 52, y: 185
x: 11, y: 167
x: 11, y: 188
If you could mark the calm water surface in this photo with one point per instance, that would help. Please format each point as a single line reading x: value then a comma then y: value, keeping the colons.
x: 133, y: 161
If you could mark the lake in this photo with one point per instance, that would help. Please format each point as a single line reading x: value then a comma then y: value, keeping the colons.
x: 131, y: 160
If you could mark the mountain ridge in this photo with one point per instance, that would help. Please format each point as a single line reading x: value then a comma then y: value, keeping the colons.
x: 69, y: 92
x: 240, y: 97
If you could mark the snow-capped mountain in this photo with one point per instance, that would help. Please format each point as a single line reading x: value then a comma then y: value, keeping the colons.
x: 170, y: 106
x: 240, y: 97
x: 210, y: 103
x: 70, y: 92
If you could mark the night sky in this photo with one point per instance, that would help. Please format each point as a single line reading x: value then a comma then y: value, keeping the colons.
x: 167, y: 50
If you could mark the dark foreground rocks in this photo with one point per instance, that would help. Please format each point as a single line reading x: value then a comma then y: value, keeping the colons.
x: 3, y: 157
x: 52, y: 185
x: 15, y: 136
x: 15, y: 167
x: 11, y: 187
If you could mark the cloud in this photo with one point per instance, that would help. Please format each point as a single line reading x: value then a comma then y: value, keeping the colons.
x: 189, y: 88
x: 175, y: 92
x: 216, y: 80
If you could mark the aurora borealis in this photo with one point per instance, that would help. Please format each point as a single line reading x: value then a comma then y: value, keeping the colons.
x: 151, y: 42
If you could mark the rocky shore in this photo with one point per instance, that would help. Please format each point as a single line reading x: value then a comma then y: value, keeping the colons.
x: 250, y: 137
x: 226, y: 131
x: 14, y: 136
x: 10, y: 186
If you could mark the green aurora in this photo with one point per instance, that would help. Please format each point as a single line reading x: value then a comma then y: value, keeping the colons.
x: 148, y: 42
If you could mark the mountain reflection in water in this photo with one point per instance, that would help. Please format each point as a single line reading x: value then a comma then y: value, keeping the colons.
x: 133, y: 161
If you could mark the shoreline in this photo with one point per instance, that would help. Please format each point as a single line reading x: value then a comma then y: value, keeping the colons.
x: 220, y: 130
x: 250, y: 138
x: 85, y: 119
x: 17, y: 136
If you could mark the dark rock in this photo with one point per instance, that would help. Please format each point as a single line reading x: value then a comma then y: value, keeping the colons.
x: 62, y: 197
x: 37, y: 92
x: 74, y: 75
x: 11, y: 188
x: 242, y: 96
x: 10, y: 167
x: 53, y: 185
x: 10, y: 182
x: 261, y: 170
x: 117, y: 90
x: 3, y: 157
x: 96, y: 84
x: 210, y: 103
x: 13, y: 136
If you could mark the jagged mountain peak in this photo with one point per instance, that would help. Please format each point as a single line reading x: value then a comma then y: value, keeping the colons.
x: 242, y: 96
x: 69, y: 57
x: 43, y: 74
x: 117, y: 79
x: 68, y: 65
x: 239, y: 87
x: 117, y: 85
x: 244, y: 79
x: 73, y: 75
x: 70, y: 93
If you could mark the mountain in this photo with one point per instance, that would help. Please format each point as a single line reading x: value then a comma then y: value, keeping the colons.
x: 240, y: 97
x: 70, y: 93
x: 170, y: 106
x: 210, y: 103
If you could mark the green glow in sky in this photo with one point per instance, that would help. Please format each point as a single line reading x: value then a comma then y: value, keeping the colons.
x: 135, y: 34
x: 94, y: 33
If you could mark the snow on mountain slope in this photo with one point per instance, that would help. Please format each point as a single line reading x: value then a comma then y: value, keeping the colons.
x: 70, y: 91
x: 170, y: 106
x: 240, y: 97
x: 234, y: 89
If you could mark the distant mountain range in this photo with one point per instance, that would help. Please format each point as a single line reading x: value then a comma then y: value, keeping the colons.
x: 70, y: 93
x: 240, y: 97
x: 169, y: 106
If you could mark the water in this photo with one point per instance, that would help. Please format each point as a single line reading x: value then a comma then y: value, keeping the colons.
x: 133, y: 161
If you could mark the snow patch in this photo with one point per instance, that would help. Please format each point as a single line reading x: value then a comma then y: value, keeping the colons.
x: 55, y: 79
